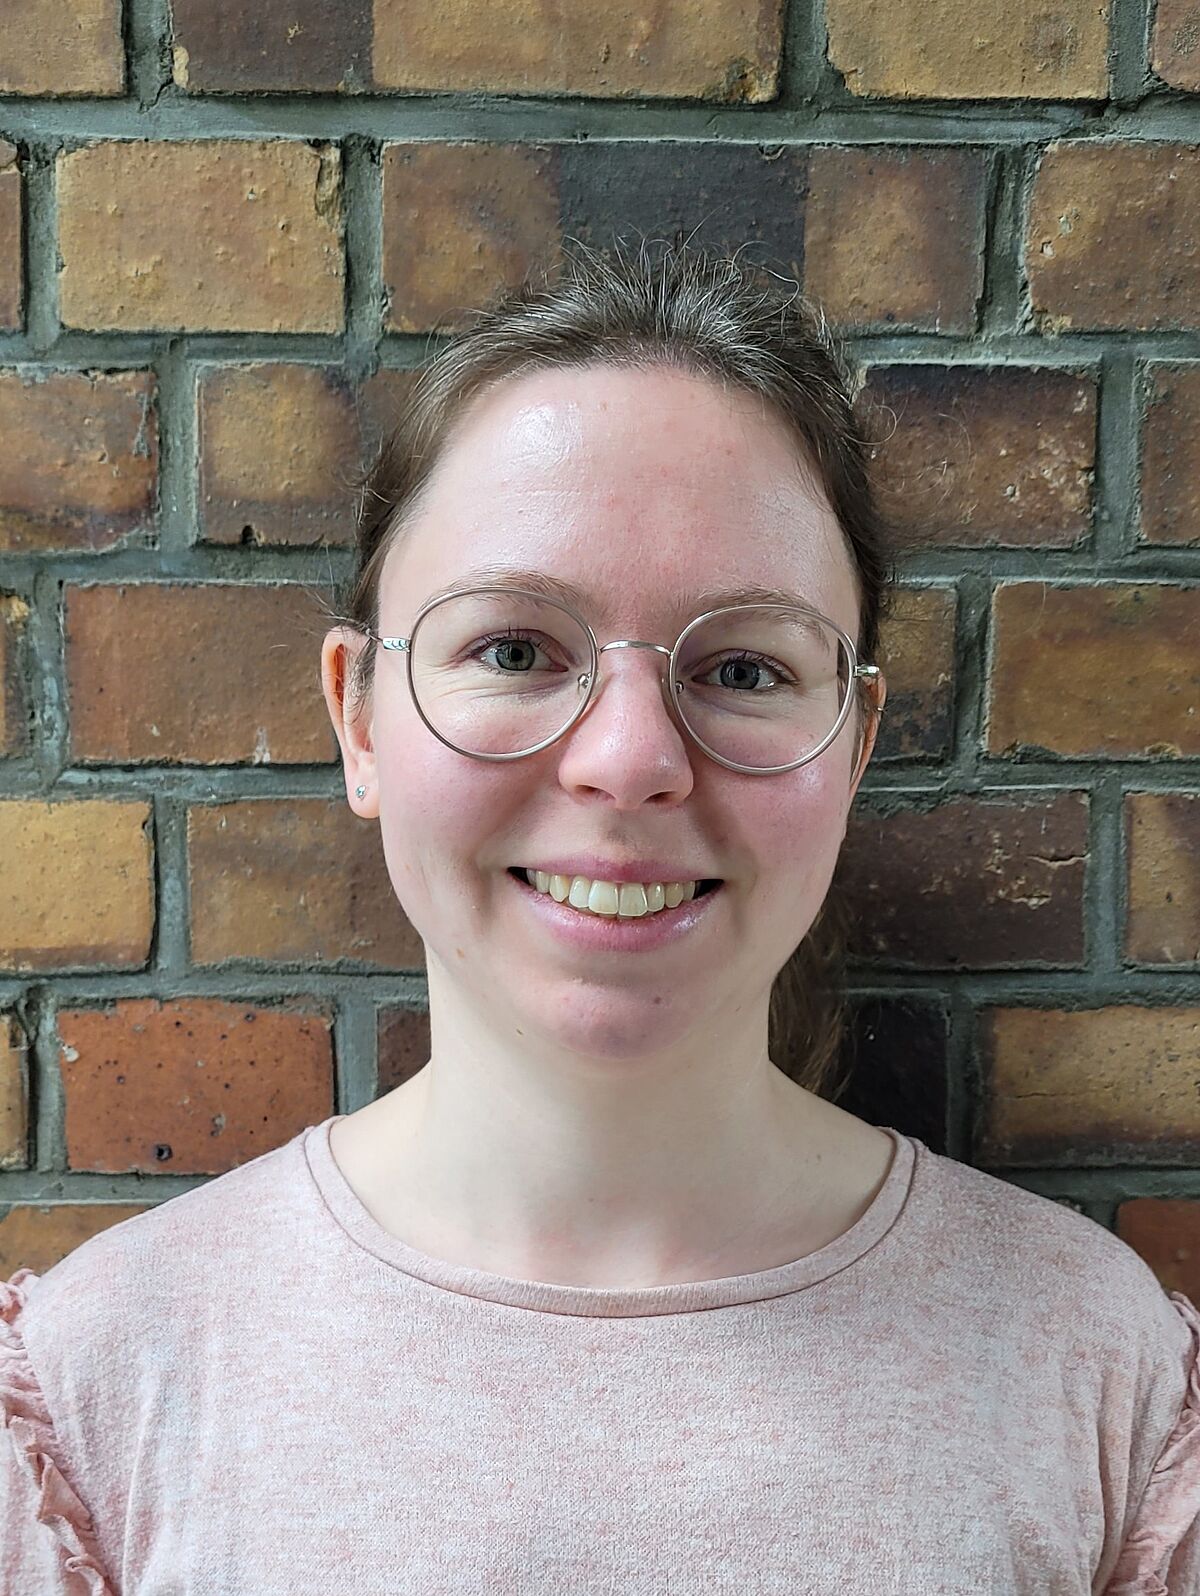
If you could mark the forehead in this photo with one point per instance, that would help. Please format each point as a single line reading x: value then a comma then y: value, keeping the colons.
x: 645, y: 489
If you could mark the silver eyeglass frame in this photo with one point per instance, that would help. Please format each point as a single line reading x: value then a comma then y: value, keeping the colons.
x: 671, y: 685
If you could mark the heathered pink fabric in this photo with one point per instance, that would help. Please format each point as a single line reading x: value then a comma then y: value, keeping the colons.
x: 255, y: 1389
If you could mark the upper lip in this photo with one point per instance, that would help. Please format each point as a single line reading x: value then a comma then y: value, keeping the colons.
x: 608, y: 870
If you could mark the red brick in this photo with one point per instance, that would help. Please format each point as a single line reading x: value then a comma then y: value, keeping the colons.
x: 404, y: 1046
x: 1162, y: 831
x: 300, y: 880
x: 14, y: 1100
x: 1105, y: 671
x: 1171, y: 456
x: 1166, y: 1232
x: 1176, y: 49
x: 49, y: 48
x: 894, y: 238
x: 917, y: 655
x: 207, y: 674
x: 970, y: 882
x: 217, y: 235
x: 81, y: 462
x: 78, y: 884
x: 273, y: 44
x: 1111, y: 232
x: 10, y: 237
x: 191, y: 1086
x: 697, y: 49
x: 985, y: 458
x: 1097, y: 1086
x: 38, y: 1235
x: 895, y: 1063
x: 459, y: 222
x: 14, y: 731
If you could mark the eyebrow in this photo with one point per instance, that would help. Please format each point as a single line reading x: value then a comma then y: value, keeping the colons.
x: 553, y: 587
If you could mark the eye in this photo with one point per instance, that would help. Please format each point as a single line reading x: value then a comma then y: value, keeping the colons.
x: 747, y: 672
x: 514, y: 652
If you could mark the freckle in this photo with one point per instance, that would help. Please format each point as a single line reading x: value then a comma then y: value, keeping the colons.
x: 657, y: 1000
x: 520, y: 1032
x: 460, y: 953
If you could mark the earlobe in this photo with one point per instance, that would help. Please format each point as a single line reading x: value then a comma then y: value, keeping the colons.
x: 351, y: 723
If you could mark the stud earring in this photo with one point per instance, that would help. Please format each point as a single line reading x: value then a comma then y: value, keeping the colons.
x: 360, y: 792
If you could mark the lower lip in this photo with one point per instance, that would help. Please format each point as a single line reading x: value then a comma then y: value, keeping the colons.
x: 616, y: 933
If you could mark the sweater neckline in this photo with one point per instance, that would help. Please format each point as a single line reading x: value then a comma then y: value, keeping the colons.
x: 843, y: 1251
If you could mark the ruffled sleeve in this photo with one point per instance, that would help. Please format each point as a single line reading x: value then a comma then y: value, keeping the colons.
x: 47, y: 1538
x: 1161, y: 1552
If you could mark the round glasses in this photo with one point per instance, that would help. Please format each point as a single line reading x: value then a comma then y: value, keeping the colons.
x: 500, y: 673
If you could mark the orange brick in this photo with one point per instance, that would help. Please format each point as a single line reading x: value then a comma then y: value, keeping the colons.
x: 404, y: 1044
x: 894, y: 238
x: 279, y: 446
x: 38, y: 1235
x: 970, y: 882
x: 1166, y: 1232
x: 14, y: 1101
x: 984, y: 458
x: 81, y: 462
x: 696, y: 49
x: 191, y: 1086
x: 212, y: 235
x: 933, y: 50
x: 381, y: 400
x: 1112, y: 1085
x: 917, y: 655
x: 1110, y: 236
x: 1171, y: 456
x: 14, y: 731
x: 459, y: 222
x: 207, y: 674
x: 1176, y: 49
x: 53, y: 49
x: 78, y: 884
x: 1105, y: 671
x: 273, y: 44
x: 293, y: 881
x: 10, y: 236
x: 1162, y: 832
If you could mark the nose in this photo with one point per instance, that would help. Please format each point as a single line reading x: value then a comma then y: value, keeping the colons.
x: 627, y: 745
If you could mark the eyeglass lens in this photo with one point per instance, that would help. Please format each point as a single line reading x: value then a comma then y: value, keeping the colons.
x: 500, y: 673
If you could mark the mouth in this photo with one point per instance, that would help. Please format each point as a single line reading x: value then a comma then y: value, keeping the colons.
x: 625, y: 900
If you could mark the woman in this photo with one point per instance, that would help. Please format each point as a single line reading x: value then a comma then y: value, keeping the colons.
x: 601, y: 1299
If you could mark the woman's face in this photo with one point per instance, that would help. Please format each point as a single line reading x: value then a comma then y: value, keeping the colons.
x: 643, y: 489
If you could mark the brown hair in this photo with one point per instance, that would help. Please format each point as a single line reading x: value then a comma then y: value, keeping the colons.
x: 663, y: 305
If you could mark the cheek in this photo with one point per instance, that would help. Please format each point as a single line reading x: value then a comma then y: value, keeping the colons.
x: 800, y: 827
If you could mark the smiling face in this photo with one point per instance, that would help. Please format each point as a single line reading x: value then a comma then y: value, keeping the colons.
x: 643, y: 489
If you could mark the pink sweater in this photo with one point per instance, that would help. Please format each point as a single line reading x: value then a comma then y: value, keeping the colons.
x: 255, y: 1390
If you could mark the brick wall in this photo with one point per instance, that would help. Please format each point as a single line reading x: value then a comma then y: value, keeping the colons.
x: 225, y: 234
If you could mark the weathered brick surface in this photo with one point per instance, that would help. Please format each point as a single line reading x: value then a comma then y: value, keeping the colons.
x: 274, y: 44
x: 982, y: 458
x: 77, y: 880
x: 1163, y: 842
x: 1105, y: 671
x: 213, y: 235
x: 1171, y: 456
x: 1111, y: 236
x: 895, y: 1066
x: 1110, y: 1085
x: 38, y: 1235
x: 917, y: 655
x: 80, y: 462
x: 971, y: 882
x: 192, y: 1086
x: 894, y: 238
x: 201, y: 674
x: 13, y: 725
x: 1175, y: 53
x: 1166, y: 1231
x: 299, y: 880
x: 50, y: 48
x: 14, y: 1099
x: 932, y: 49
x: 404, y: 1045
x: 708, y: 49
x: 10, y: 237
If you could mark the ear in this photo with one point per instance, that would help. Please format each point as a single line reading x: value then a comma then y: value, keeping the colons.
x: 870, y: 729
x: 353, y: 728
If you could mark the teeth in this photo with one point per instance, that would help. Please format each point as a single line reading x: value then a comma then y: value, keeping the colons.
x: 628, y: 899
